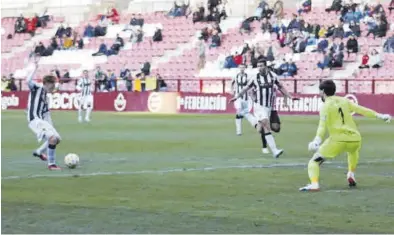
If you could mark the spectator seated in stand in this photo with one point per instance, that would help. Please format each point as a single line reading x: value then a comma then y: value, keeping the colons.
x: 349, y: 16
x: 337, y: 46
x: 352, y: 45
x: 213, y: 15
x: 67, y: 42
x: 161, y: 84
x: 375, y: 60
x: 102, y: 49
x: 135, y: 22
x: 325, y: 61
x: 389, y: 44
x: 238, y: 59
x: 20, y: 25
x: 379, y: 29
x: 113, y: 15
x: 266, y: 26
x: 336, y: 59
x: 260, y: 9
x: 288, y: 69
x: 364, y: 62
x: 136, y: 36
x: 179, y: 10
x: 199, y: 14
x: 245, y: 26
x: 158, y: 36
x: 335, y: 6
x: 215, y: 41
x: 89, y: 31
x: 229, y: 62
x: 296, y: 23
x: 354, y: 29
x: 54, y: 44
x: 266, y: 13
x: 299, y: 45
x: 79, y: 42
x: 115, y: 48
x: 42, y: 51
x: 278, y: 9
x: 306, y: 6
x: 101, y: 28
x: 31, y: 26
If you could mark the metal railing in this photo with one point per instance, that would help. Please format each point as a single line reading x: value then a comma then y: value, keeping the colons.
x: 223, y: 85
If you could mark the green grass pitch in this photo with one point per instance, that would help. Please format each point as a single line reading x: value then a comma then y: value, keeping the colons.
x: 131, y: 178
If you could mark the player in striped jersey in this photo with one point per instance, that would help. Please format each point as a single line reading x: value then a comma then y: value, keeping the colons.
x: 264, y: 84
x: 242, y: 107
x: 39, y: 118
x: 86, y: 97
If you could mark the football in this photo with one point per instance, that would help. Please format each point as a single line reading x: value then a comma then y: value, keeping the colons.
x: 71, y: 160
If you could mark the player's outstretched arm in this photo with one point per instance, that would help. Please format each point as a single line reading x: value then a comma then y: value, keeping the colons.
x: 244, y: 90
x: 366, y: 112
x: 30, y: 76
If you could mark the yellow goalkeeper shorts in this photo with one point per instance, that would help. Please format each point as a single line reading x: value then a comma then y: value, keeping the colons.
x: 331, y: 148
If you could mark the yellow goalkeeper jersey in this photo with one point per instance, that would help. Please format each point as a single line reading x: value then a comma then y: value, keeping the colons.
x: 336, y: 117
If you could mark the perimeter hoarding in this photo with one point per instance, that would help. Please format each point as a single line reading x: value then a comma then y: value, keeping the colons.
x: 174, y: 102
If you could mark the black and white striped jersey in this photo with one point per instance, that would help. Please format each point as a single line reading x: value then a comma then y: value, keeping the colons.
x: 264, y: 84
x: 37, y: 105
x: 239, y: 83
x: 86, y: 86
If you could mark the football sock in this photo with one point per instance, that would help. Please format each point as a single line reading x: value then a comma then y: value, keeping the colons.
x: 88, y: 112
x: 352, y: 160
x: 42, y: 148
x: 313, y: 171
x: 238, y: 124
x: 263, y: 140
x: 271, y: 141
x: 51, y: 154
x: 80, y: 112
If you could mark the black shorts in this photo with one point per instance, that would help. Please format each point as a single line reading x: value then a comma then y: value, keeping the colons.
x: 274, y: 117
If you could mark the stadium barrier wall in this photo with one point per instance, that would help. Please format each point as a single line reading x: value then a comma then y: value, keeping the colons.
x: 185, y: 102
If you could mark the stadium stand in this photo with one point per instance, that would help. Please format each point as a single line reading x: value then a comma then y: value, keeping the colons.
x: 176, y: 57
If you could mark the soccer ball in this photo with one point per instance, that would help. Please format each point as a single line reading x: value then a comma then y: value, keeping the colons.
x: 71, y: 160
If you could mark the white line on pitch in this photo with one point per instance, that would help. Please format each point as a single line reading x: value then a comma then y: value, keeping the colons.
x: 166, y: 171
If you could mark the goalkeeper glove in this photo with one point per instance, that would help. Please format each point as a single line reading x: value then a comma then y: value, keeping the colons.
x: 384, y: 117
x: 314, y: 145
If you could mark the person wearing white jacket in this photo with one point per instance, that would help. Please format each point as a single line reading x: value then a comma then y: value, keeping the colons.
x: 375, y: 60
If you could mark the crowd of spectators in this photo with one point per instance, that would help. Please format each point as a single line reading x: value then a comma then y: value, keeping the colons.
x: 8, y: 83
x: 334, y: 43
x: 29, y: 25
x: 141, y: 80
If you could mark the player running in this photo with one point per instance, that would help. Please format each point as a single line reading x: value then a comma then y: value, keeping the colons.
x: 86, y: 97
x: 344, y: 137
x: 274, y: 121
x: 264, y: 82
x: 242, y: 107
x: 39, y: 118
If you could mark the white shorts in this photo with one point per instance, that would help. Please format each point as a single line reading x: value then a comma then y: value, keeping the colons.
x: 43, y: 128
x: 86, y: 101
x: 242, y: 106
x: 261, y: 112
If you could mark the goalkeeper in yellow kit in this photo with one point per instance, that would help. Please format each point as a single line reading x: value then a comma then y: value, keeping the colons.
x: 344, y: 137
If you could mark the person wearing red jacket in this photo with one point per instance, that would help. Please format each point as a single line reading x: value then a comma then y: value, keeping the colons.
x: 238, y: 58
x: 364, y: 61
x: 114, y: 15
